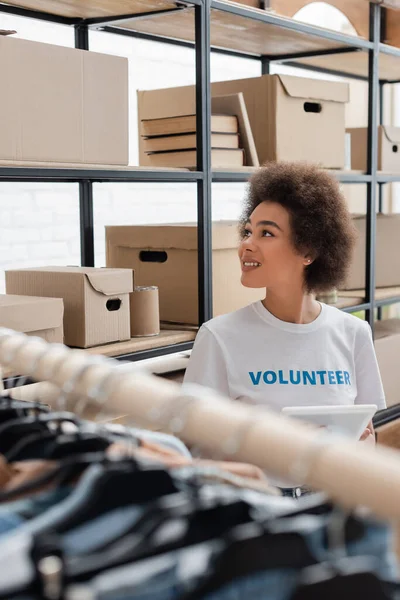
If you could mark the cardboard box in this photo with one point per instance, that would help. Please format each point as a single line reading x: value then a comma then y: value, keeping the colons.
x: 292, y: 118
x: 96, y: 301
x: 62, y: 105
x: 387, y: 347
x: 166, y: 256
x: 388, y: 148
x: 387, y: 256
x: 41, y: 317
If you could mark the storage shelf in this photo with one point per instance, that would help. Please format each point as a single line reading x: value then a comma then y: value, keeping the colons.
x: 167, y: 342
x: 247, y: 30
x: 77, y: 10
x: 234, y: 28
x: 95, y: 173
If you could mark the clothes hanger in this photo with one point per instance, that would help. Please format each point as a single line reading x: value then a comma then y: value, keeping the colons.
x: 202, y: 523
x: 55, y: 446
x: 40, y: 443
x: 199, y: 522
x: 341, y: 576
x: 12, y: 432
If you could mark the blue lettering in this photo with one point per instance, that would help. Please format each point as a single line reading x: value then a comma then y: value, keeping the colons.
x: 255, y: 377
x: 347, y: 378
x: 321, y: 376
x: 311, y: 378
x: 268, y: 374
x: 281, y: 379
x: 339, y: 377
x: 331, y: 377
x: 292, y: 380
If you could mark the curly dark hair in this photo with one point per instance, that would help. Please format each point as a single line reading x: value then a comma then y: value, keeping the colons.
x: 321, y: 223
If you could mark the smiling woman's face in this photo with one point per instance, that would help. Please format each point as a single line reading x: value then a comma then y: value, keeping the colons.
x: 267, y: 255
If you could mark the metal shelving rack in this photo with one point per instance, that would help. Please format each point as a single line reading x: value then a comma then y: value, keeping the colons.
x: 324, y: 44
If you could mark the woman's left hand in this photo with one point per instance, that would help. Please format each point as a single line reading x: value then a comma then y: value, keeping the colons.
x: 368, y: 437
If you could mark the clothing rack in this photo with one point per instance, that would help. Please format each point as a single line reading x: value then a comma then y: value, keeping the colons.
x: 350, y: 473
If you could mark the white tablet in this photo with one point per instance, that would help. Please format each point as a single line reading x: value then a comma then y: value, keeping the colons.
x: 350, y: 420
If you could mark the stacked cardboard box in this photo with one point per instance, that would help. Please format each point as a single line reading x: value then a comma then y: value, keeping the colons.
x: 387, y: 347
x: 41, y: 317
x: 171, y: 141
x: 387, y: 261
x: 388, y: 148
x: 62, y: 105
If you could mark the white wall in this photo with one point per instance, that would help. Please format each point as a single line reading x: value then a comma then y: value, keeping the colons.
x: 39, y: 222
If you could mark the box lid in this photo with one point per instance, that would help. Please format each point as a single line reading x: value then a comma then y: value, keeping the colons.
x: 29, y: 313
x: 111, y: 281
x: 105, y: 281
x: 315, y: 89
x: 392, y: 133
x: 182, y: 236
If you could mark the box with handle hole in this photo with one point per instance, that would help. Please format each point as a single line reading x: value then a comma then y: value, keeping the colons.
x: 166, y: 256
x: 291, y: 118
x: 96, y: 301
x: 388, y: 148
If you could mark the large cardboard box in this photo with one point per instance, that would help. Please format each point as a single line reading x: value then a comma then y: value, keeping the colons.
x: 62, y: 105
x: 166, y: 256
x: 387, y: 254
x: 292, y: 118
x: 387, y: 347
x: 96, y: 301
x: 388, y: 148
x: 42, y: 317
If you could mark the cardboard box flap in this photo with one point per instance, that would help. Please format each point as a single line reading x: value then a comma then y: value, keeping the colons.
x: 225, y: 234
x: 28, y: 313
x: 387, y: 328
x: 111, y: 282
x: 392, y: 133
x: 315, y: 89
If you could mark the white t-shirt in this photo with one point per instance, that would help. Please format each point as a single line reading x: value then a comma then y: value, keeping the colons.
x: 252, y: 356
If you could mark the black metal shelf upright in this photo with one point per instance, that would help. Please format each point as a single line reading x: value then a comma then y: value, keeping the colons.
x: 337, y: 44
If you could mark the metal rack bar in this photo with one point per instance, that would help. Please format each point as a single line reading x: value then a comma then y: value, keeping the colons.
x: 372, y: 158
x: 387, y: 301
x: 323, y: 71
x: 81, y: 37
x: 117, y: 20
x: 265, y: 65
x: 203, y: 128
x: 283, y: 58
x: 58, y: 175
x: 86, y: 223
x: 149, y: 37
x: 357, y: 308
x: 86, y: 220
x: 383, y: 178
x: 243, y: 176
x: 156, y: 352
x: 380, y: 184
